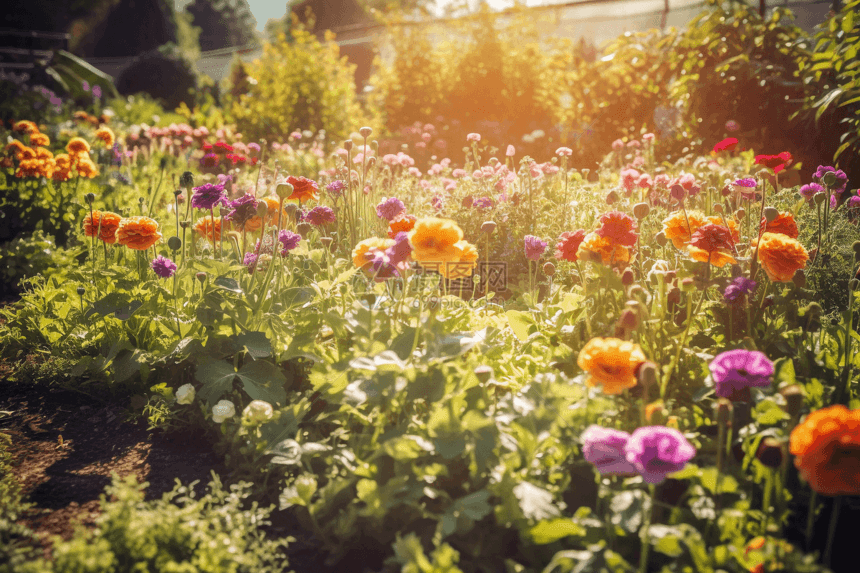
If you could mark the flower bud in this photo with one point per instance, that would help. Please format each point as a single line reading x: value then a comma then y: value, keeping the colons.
x: 819, y: 198
x: 262, y: 209
x: 627, y: 277
x: 674, y: 296
x: 628, y: 320
x: 611, y: 197
x: 829, y: 179
x: 661, y: 239
x: 799, y: 278
x: 549, y: 269
x: 174, y: 243
x: 636, y: 291
x: 794, y: 397
x: 647, y: 374
x: 347, y: 144
x: 201, y: 276
x: 655, y: 413
x: 488, y: 227
x: 89, y: 198
x: 284, y: 190
x: 291, y: 209
x: 678, y: 193
x: 641, y: 210
x: 81, y: 291
x: 186, y: 180
x: 484, y: 374
x: 257, y: 412
x: 770, y: 213
x: 770, y: 452
x: 223, y: 410
x: 688, y: 284
x: 326, y: 242
x: 374, y: 145
x: 723, y: 410
x: 371, y: 161
x: 741, y: 213
x: 366, y: 132
x: 718, y: 208
x: 185, y: 224
x: 185, y: 394
x: 177, y: 193
x: 303, y: 229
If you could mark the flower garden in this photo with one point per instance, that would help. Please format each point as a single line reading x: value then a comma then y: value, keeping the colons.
x: 445, y: 357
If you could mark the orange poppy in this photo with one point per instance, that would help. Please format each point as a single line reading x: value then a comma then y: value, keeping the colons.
x: 401, y: 224
x: 784, y: 224
x: 303, y: 189
x: 204, y: 228
x: 712, y: 243
x: 781, y: 256
x: 602, y: 250
x: 611, y: 362
x: 679, y: 228
x: 826, y: 447
x: 138, y: 233
x: 105, y: 135
x: 434, y: 241
x: 462, y: 268
x: 109, y: 225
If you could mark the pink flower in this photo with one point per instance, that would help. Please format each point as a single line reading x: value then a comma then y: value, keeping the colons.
x: 645, y: 181
x: 649, y: 137
x: 638, y: 161
x: 477, y: 174
x: 617, y: 145
x: 426, y: 137
x: 687, y: 181
x: 475, y: 137
x: 629, y: 178
x: 414, y: 172
x: 633, y: 143
x: 661, y: 181
x: 564, y: 152
x: 459, y: 173
x: 511, y: 151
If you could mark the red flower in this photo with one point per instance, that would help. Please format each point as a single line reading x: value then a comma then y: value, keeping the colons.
x: 619, y: 228
x: 775, y: 162
x: 712, y: 238
x: 303, y: 188
x: 568, y: 245
x: 728, y: 144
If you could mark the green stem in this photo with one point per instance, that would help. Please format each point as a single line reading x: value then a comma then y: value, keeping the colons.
x: 831, y: 531
x: 646, y: 531
x: 810, y: 519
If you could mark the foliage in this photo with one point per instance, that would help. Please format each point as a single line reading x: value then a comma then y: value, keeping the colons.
x: 28, y: 256
x: 176, y: 533
x: 302, y: 84
x: 163, y: 74
x: 222, y: 23
x: 13, y: 536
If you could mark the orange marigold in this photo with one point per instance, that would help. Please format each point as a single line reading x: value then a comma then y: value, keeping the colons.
x: 679, y: 228
x: 434, y: 241
x: 86, y: 168
x: 42, y: 153
x: 359, y: 258
x: 602, y: 249
x: 25, y: 126
x: 138, y: 233
x: 77, y: 146
x: 611, y: 362
x: 401, y: 224
x: 204, y: 228
x: 109, y: 224
x: 30, y: 168
x: 15, y: 147
x: 784, y: 224
x: 62, y: 168
x: 25, y: 153
x: 826, y: 447
x: 466, y: 262
x: 781, y: 256
x: 105, y: 135
x: 40, y: 139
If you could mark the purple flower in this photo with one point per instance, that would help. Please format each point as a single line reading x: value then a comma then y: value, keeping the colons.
x: 86, y: 85
x: 604, y: 447
x: 254, y: 147
x: 381, y: 265
x: 163, y: 267
x: 389, y: 209
x: 482, y: 203
x: 289, y: 241
x: 853, y: 202
x: 243, y: 210
x: 223, y: 178
x: 336, y: 187
x: 400, y: 250
x: 253, y: 262
x: 436, y: 202
x: 209, y: 160
x: 320, y: 215
x: 841, y: 178
x: 208, y: 196
x: 656, y: 451
x: 809, y: 190
x: 739, y: 287
x: 737, y: 370
x: 97, y: 92
x: 746, y: 187
x: 534, y: 247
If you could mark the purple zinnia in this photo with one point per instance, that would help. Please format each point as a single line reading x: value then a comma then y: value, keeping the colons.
x: 336, y: 187
x: 738, y: 370
x: 163, y: 267
x: 841, y: 178
x: 401, y: 249
x: 289, y: 241
x: 389, y: 209
x: 604, y: 447
x: 243, y: 210
x: 809, y: 190
x: 320, y: 215
x: 534, y: 247
x: 746, y: 187
x: 208, y: 196
x: 739, y: 287
x: 656, y: 451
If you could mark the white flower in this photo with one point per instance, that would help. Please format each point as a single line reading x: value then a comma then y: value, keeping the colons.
x: 185, y: 394
x: 223, y: 410
x: 258, y: 411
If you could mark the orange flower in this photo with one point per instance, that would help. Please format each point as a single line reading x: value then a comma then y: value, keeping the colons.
x: 86, y: 168
x: 733, y: 226
x: 254, y: 223
x: 29, y: 168
x: 826, y: 447
x: 15, y: 146
x: 359, y: 258
x: 434, y: 241
x: 62, y: 168
x: 784, y: 224
x: 26, y: 153
x: 77, y: 146
x: 602, y: 249
x: 40, y: 139
x: 781, y: 256
x: 611, y: 362
x: 679, y: 228
x: 204, y: 228
x: 402, y: 223
x: 712, y: 243
x: 109, y: 223
x: 138, y: 233
x: 42, y: 153
x: 25, y: 126
x: 303, y: 189
x: 105, y: 135
x: 466, y: 262
x: 618, y: 227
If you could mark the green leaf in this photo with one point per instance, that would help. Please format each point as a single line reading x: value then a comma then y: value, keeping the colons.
x: 535, y: 502
x: 256, y: 343
x: 520, y: 322
x: 822, y: 104
x: 783, y: 371
x: 626, y: 509
x: 547, y: 532
x: 708, y: 479
x: 228, y: 283
x: 217, y: 378
x: 288, y: 453
x: 263, y: 380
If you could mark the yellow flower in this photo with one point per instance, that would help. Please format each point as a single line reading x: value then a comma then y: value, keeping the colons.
x: 611, y: 362
x: 106, y: 136
x: 362, y: 248
x: 77, y: 146
x: 434, y: 240
x: 462, y: 267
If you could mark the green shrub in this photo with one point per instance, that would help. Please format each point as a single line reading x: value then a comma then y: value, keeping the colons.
x: 298, y: 84
x: 14, y: 538
x: 28, y: 256
x: 214, y: 533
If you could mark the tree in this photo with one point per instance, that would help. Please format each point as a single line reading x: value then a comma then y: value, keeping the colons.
x: 222, y: 23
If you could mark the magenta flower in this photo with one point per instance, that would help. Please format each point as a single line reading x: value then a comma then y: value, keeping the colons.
x: 737, y: 370
x: 810, y: 190
x: 564, y: 152
x: 163, y: 267
x: 243, y: 210
x: 389, y: 209
x: 534, y: 247
x: 320, y: 216
x: 656, y: 451
x: 605, y: 448
x: 401, y: 249
x: 289, y: 241
x: 336, y: 187
x: 739, y: 287
x: 841, y: 178
x: 208, y: 196
x: 746, y: 187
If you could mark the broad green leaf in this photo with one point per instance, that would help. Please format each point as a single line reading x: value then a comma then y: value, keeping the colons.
x: 784, y: 371
x: 520, y: 322
x: 263, y: 380
x: 551, y: 531
x: 256, y: 343
x: 727, y: 483
x: 217, y: 378
x: 228, y: 283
